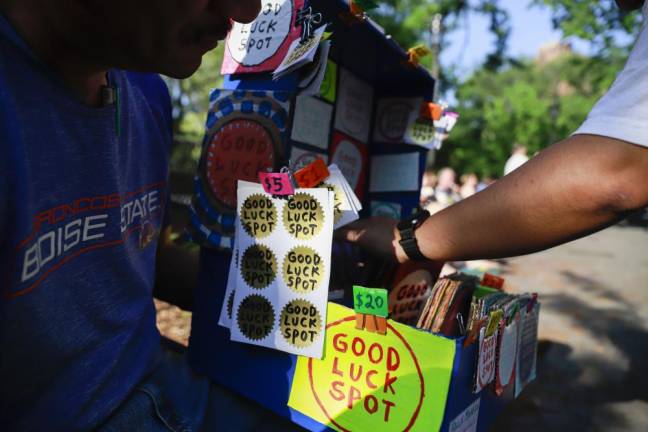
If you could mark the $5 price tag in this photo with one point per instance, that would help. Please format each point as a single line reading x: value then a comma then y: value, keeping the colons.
x: 370, y: 301
x: 276, y: 183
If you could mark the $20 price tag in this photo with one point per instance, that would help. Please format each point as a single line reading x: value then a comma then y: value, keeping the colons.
x: 370, y: 301
x: 276, y: 183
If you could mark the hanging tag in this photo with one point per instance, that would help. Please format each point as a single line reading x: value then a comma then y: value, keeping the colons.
x: 371, y: 308
x: 370, y: 301
x: 312, y: 174
x: 492, y: 281
x: 430, y: 111
x: 277, y: 184
x: 417, y: 52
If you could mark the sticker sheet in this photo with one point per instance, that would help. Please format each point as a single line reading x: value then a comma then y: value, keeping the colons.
x: 346, y: 205
x: 225, y: 318
x: 284, y: 267
x: 261, y: 45
x: 354, y: 106
x: 392, y: 118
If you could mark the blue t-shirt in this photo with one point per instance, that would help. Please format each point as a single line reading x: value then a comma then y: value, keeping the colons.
x: 82, y: 195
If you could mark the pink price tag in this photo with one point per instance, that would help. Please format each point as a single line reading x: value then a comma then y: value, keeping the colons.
x: 276, y: 183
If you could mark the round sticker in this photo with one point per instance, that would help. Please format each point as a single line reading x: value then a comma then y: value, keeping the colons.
x: 258, y: 216
x: 300, y: 323
x: 421, y: 131
x: 303, y: 216
x: 252, y: 44
x: 259, y: 266
x: 255, y: 317
x: 303, y: 269
x: 337, y: 202
x: 237, y: 151
x: 348, y: 158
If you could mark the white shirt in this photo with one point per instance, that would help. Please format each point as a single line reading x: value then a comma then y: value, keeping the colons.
x: 622, y: 113
x: 515, y: 162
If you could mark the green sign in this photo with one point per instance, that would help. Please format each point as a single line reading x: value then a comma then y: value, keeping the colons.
x: 370, y: 301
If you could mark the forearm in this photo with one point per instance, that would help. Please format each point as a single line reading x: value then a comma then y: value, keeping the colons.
x: 571, y: 189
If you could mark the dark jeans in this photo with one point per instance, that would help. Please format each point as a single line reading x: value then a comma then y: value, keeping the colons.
x: 173, y: 398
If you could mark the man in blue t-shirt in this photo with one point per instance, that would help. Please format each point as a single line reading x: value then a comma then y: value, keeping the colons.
x: 84, y: 151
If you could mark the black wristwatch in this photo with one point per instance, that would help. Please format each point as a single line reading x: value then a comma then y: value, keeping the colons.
x: 408, y: 241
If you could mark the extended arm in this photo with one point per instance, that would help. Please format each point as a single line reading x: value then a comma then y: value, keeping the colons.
x: 573, y: 188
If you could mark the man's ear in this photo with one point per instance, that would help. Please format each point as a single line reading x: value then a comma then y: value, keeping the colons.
x: 629, y: 5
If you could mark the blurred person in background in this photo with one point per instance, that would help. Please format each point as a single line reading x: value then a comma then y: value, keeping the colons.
x: 518, y: 158
x: 484, y: 183
x: 469, y: 184
x: 427, y: 187
x: 447, y: 190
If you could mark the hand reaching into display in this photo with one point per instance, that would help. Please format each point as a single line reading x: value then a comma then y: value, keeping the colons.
x: 377, y: 236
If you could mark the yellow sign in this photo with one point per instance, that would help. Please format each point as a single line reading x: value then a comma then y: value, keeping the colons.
x: 372, y: 382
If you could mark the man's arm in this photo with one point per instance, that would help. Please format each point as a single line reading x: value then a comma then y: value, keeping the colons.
x: 571, y: 189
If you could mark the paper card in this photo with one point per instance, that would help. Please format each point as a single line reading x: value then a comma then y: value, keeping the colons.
x: 312, y: 121
x: 420, y: 131
x: 466, y: 421
x: 262, y: 44
x: 284, y: 267
x: 311, y: 83
x: 299, y: 53
x: 485, y: 372
x: 392, y: 118
x: 351, y: 157
x: 386, y: 209
x: 506, y: 356
x: 372, y: 382
x: 527, y: 355
x: 354, y: 106
x: 299, y: 157
x: 344, y: 208
x: 395, y: 173
x: 328, y: 90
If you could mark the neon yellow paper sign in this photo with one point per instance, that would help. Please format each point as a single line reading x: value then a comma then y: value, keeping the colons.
x: 366, y: 381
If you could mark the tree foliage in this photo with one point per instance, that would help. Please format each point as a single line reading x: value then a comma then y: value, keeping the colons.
x: 409, y: 22
x: 599, y: 22
x: 529, y: 103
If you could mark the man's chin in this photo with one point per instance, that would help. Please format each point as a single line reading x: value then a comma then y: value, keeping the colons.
x: 181, y: 69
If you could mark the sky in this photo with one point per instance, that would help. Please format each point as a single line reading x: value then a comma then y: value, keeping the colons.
x: 531, y: 28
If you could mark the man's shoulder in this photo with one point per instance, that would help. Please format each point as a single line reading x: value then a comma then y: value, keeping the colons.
x: 155, y: 92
